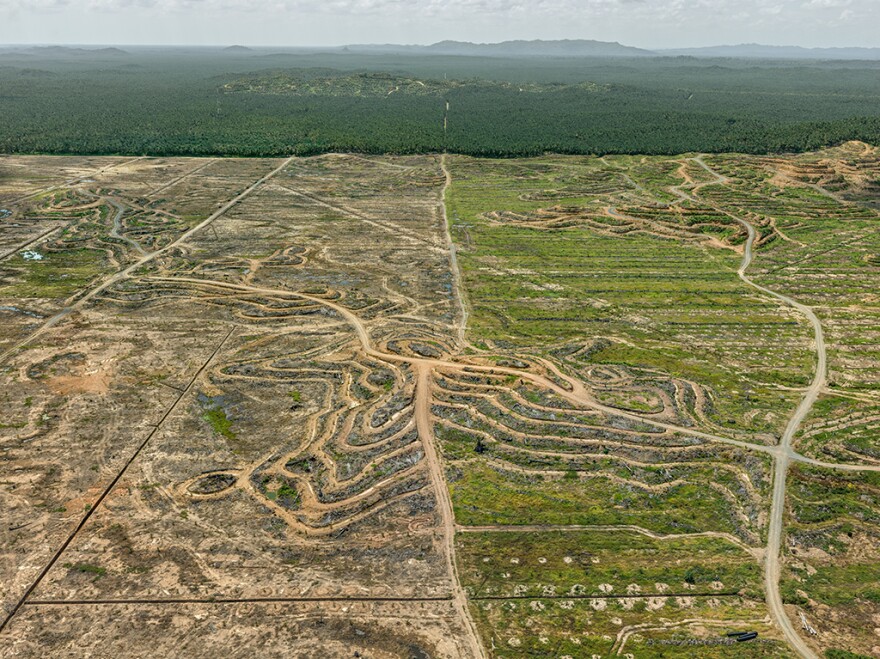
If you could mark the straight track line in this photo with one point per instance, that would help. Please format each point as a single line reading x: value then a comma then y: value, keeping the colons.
x: 177, y: 180
x: 74, y: 181
x: 110, y: 487
x: 234, y: 600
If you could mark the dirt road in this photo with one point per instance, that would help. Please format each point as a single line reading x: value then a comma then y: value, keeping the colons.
x: 777, y: 508
x: 453, y: 257
x: 785, y: 455
x: 577, y: 395
x: 425, y: 425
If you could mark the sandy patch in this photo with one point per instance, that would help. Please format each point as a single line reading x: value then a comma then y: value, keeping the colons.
x: 95, y: 382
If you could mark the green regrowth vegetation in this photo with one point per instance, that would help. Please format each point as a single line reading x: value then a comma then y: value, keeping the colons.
x: 594, y: 562
x: 821, y: 247
x: 843, y: 654
x: 836, y: 585
x: 823, y: 497
x: 538, y: 627
x: 542, y: 272
x: 841, y: 429
x: 86, y: 568
x: 483, y: 495
x: 832, y: 564
x: 219, y: 422
x: 56, y: 275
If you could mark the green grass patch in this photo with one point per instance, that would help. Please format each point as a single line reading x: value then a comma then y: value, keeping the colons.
x: 669, y: 304
x: 837, y: 585
x: 86, y: 568
x: 56, y: 275
x: 579, y: 562
x: 539, y: 627
x: 219, y: 422
x: 483, y: 495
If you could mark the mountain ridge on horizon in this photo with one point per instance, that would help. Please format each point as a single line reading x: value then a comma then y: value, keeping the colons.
x: 539, y: 48
x: 595, y: 48
x: 511, y: 48
x: 534, y: 47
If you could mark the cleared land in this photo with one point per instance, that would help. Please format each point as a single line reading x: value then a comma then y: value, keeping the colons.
x: 662, y: 296
x: 271, y: 405
x: 207, y: 436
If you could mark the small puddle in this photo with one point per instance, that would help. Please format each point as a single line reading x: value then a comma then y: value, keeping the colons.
x: 4, y: 213
x: 31, y: 256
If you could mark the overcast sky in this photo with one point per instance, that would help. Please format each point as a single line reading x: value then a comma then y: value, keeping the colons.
x: 645, y: 23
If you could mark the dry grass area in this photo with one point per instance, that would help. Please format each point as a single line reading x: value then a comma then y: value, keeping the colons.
x: 209, y: 427
x: 378, y: 630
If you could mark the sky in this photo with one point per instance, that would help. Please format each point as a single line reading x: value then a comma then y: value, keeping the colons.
x: 643, y: 23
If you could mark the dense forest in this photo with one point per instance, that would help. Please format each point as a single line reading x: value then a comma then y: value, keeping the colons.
x: 215, y: 102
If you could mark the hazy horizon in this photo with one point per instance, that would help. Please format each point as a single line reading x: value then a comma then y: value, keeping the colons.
x: 649, y: 24
x: 254, y: 46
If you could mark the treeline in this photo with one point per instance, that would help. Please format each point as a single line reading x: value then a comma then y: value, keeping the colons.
x: 157, y: 105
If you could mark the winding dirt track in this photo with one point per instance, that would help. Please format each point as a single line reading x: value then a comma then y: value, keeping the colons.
x: 785, y: 455
x: 783, y: 459
x: 577, y: 393
x: 117, y: 226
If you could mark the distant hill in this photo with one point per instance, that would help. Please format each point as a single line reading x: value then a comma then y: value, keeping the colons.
x: 537, y: 48
x: 591, y: 48
x: 68, y: 51
x: 758, y: 51
x: 563, y: 48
